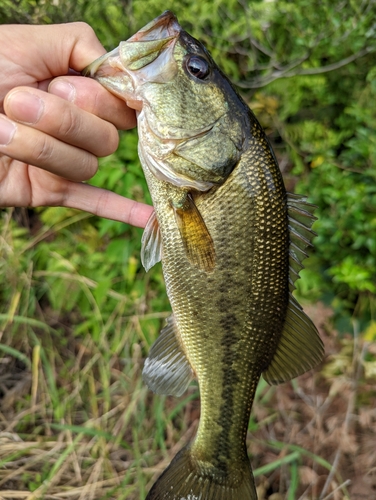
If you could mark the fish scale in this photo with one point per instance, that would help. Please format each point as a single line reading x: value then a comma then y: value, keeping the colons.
x: 231, y: 241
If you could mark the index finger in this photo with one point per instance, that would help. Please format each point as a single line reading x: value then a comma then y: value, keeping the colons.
x: 105, y: 203
x: 91, y: 96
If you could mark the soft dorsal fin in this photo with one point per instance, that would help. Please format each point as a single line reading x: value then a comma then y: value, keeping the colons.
x: 300, y: 347
x: 151, y: 243
x: 301, y: 218
x: 196, y: 238
x: 167, y: 369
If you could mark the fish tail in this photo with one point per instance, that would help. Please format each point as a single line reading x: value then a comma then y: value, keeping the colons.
x: 183, y: 480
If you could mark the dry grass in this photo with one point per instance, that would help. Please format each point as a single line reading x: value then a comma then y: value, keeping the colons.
x: 98, y: 433
x: 330, y: 418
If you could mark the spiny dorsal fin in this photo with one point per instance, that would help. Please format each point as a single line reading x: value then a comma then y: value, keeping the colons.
x: 197, y: 241
x: 301, y: 218
x: 300, y: 347
x: 151, y: 243
x: 167, y: 369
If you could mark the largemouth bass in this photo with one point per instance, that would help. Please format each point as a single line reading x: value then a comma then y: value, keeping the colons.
x: 231, y: 243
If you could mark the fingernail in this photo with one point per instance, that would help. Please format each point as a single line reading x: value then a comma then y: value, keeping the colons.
x: 62, y: 89
x: 7, y: 130
x: 24, y: 107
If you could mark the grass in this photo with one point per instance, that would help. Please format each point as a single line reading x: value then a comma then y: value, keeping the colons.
x: 76, y: 420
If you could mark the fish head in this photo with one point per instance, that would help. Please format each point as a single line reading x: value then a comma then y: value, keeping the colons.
x: 191, y: 121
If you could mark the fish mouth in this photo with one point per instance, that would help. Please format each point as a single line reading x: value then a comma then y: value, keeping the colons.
x: 123, y: 69
x: 164, y: 26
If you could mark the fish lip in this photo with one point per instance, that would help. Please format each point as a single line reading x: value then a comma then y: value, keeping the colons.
x: 127, y: 59
x: 145, y: 46
x: 164, y: 26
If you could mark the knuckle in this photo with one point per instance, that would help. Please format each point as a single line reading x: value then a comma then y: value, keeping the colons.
x: 43, y: 151
x: 96, y: 98
x: 69, y: 125
x: 84, y: 29
x: 67, y: 161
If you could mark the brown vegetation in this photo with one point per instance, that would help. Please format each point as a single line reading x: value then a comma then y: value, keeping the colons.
x: 318, y: 431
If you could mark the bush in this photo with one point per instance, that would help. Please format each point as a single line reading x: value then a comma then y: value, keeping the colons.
x: 312, y: 68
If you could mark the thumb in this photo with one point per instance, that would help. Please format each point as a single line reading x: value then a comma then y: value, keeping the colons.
x: 83, y: 45
x: 43, y: 52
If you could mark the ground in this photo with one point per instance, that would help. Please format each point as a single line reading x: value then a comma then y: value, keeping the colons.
x: 312, y: 438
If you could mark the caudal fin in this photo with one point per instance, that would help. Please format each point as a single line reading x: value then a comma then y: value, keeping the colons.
x: 183, y: 480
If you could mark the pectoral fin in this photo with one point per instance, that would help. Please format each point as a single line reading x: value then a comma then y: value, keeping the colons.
x: 167, y: 369
x: 300, y: 347
x: 151, y: 243
x: 196, y: 238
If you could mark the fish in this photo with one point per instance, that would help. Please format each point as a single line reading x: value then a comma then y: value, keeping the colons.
x: 231, y: 242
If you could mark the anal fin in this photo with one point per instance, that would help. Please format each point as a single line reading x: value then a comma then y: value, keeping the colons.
x: 300, y: 347
x: 167, y: 369
x: 196, y: 238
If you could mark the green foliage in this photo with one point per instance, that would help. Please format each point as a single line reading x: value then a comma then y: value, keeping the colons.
x: 327, y: 122
x: 41, y: 11
x: 316, y: 62
x: 334, y: 148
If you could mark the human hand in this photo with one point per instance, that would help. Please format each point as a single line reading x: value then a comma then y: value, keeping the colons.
x: 50, y: 141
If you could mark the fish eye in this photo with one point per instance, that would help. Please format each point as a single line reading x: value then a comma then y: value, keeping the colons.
x: 197, y: 67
